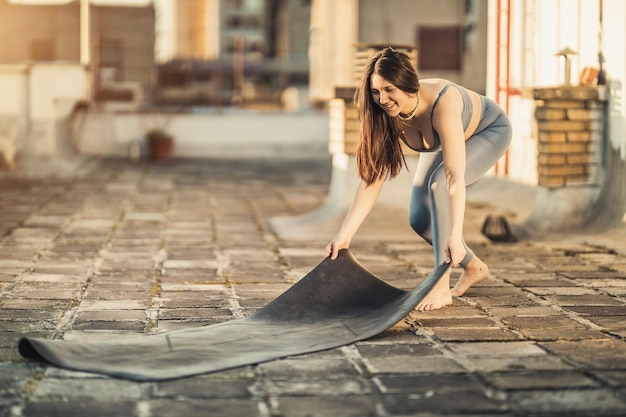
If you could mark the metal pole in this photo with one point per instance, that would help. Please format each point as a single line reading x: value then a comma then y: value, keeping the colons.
x: 602, y: 70
x: 503, y: 58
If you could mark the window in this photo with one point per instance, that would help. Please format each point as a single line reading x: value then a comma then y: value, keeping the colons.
x: 440, y: 48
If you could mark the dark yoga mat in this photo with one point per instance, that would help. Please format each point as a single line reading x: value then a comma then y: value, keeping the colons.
x: 339, y: 302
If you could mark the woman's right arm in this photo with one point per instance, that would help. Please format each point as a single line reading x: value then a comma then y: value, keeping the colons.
x: 364, y: 201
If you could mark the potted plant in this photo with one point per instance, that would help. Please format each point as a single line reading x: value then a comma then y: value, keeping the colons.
x: 160, y: 144
x: 159, y: 140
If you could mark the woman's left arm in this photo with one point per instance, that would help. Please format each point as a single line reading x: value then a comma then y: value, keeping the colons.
x: 447, y: 122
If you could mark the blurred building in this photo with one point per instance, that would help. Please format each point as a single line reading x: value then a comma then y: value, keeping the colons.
x: 121, y: 38
x: 196, y: 24
x: 210, y: 29
x: 450, y: 34
x: 222, y: 52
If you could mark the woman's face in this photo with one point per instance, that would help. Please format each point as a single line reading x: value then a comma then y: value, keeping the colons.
x: 389, y: 97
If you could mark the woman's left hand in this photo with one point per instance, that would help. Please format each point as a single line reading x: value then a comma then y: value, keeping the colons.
x: 455, y: 251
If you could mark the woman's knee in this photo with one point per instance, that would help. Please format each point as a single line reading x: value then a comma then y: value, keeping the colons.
x: 419, y: 212
x: 502, y: 132
x: 419, y: 219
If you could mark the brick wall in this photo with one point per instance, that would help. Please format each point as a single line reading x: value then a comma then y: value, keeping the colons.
x: 570, y: 128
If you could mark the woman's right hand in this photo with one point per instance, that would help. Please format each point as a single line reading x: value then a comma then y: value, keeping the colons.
x: 339, y: 242
x: 364, y: 200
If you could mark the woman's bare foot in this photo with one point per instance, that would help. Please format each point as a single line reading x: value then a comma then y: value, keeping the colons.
x: 475, y: 272
x: 438, y: 297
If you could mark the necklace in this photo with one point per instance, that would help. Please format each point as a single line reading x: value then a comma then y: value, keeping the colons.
x: 410, y: 116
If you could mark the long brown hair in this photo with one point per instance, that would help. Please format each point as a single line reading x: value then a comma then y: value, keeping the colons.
x: 379, y: 152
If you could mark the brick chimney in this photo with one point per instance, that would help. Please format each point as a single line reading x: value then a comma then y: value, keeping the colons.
x: 570, y: 128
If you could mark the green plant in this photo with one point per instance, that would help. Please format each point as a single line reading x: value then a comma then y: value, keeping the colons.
x: 158, y: 134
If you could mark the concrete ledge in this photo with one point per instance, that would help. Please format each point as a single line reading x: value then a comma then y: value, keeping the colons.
x: 213, y: 134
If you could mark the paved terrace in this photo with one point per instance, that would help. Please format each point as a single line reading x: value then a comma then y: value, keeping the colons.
x: 118, y: 248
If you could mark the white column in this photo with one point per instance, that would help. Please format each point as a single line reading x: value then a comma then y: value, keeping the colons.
x: 333, y: 33
x: 165, y: 22
x: 212, y: 29
x: 85, y: 40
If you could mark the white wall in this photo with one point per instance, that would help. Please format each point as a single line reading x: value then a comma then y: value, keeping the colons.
x: 542, y: 28
x: 50, y: 82
x: 614, y: 42
x: 13, y: 87
x: 236, y: 133
x: 53, y: 90
x: 38, y: 97
x: 14, y: 108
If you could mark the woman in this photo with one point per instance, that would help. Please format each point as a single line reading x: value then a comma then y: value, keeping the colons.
x: 459, y: 134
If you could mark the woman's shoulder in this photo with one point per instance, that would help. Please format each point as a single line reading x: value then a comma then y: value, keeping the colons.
x: 443, y: 99
x: 433, y: 86
x: 436, y: 85
x: 433, y: 82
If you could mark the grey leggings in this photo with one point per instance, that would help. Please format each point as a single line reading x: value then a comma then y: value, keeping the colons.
x: 429, y: 211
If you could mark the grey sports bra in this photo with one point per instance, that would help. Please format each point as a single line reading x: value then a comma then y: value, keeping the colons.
x: 466, y: 115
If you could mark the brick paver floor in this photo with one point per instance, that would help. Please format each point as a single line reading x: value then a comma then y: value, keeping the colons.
x: 121, y: 249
